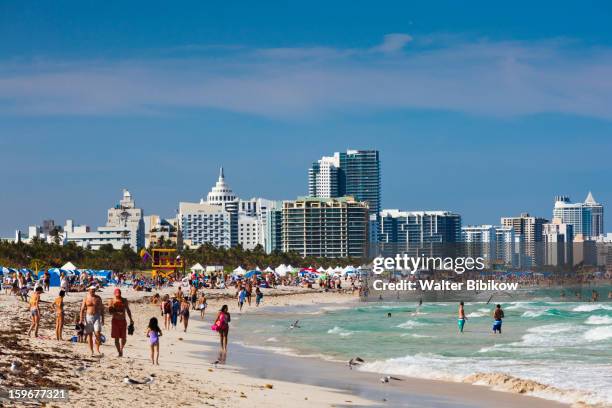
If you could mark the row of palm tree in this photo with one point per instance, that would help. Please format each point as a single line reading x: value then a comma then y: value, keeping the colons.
x: 40, y: 255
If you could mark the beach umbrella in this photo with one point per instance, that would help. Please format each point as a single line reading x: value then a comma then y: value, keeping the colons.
x: 239, y: 271
x: 252, y: 273
x: 309, y: 269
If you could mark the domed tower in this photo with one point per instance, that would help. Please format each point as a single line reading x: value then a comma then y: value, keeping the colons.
x: 221, y: 193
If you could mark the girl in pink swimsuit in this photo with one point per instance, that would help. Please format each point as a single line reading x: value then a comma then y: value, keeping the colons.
x: 154, y: 333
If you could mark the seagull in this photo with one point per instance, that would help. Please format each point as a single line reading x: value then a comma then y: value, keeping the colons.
x: 295, y: 325
x: 131, y: 381
x: 15, y: 366
x: 355, y: 362
x: 79, y: 370
x: 388, y: 378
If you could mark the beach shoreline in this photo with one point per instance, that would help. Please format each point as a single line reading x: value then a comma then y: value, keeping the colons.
x: 186, y: 375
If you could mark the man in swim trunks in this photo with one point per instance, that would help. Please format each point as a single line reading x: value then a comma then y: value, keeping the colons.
x: 92, y: 316
x: 462, y: 318
x: 118, y: 307
x: 498, y: 315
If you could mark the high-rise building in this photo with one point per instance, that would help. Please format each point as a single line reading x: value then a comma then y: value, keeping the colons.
x: 505, y: 242
x: 324, y: 177
x: 125, y: 215
x: 528, y: 230
x: 430, y: 233
x: 325, y: 227
x: 354, y: 173
x: 558, y: 239
x: 203, y: 223
x: 586, y: 218
x: 480, y: 241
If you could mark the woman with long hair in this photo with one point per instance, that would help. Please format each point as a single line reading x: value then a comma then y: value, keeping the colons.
x: 221, y: 325
x: 35, y: 311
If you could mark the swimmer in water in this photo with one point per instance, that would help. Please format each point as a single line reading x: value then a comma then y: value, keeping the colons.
x: 462, y: 318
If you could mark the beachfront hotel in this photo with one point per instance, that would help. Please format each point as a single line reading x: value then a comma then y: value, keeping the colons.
x: 586, y: 218
x: 325, y: 227
x: 417, y: 232
x: 528, y: 229
x: 354, y: 173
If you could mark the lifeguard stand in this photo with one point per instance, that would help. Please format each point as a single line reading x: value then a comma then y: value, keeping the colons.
x: 166, y: 262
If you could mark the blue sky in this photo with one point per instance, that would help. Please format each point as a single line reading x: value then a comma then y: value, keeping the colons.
x: 487, y: 110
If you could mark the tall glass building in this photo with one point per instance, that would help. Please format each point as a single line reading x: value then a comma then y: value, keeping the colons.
x: 354, y: 173
x: 585, y: 218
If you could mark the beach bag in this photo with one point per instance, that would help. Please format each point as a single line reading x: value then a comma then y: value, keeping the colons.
x: 215, y: 326
x: 130, y: 329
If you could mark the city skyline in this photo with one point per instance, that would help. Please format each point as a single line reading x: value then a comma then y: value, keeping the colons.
x: 486, y: 113
x: 227, y: 190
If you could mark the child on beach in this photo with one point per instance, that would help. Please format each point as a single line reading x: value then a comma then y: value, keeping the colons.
x: 154, y: 333
x: 79, y: 329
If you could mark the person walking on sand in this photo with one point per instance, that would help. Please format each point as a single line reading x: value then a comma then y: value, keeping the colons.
x: 175, y: 308
x: 184, y: 313
x: 35, y: 311
x: 241, y: 297
x: 92, y: 316
x: 221, y: 325
x: 202, y: 305
x: 498, y: 315
x: 462, y: 318
x: 166, y: 311
x: 193, y: 296
x: 258, y: 296
x: 118, y: 307
x: 154, y: 333
x: 58, y: 305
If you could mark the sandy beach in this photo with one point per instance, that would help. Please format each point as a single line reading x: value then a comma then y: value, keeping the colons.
x: 187, y: 377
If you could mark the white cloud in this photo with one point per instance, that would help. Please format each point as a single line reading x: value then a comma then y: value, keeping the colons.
x: 477, y: 77
x: 394, y: 42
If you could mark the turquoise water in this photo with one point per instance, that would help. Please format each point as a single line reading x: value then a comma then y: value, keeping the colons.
x: 567, y: 345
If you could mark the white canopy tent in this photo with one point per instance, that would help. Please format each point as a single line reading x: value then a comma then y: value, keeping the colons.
x: 321, y: 269
x: 69, y: 266
x: 269, y: 270
x: 198, y: 268
x: 239, y: 271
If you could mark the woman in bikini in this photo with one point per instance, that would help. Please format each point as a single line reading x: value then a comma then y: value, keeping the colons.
x: 222, y: 327
x: 166, y: 309
x: 184, y: 313
x: 35, y: 311
x: 58, y: 305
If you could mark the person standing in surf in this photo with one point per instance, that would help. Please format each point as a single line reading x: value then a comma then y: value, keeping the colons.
x: 498, y: 315
x: 462, y: 318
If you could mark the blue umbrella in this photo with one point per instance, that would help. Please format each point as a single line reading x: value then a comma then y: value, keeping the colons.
x: 252, y: 273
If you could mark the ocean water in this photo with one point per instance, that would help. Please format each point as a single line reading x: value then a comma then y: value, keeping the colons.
x: 560, y: 344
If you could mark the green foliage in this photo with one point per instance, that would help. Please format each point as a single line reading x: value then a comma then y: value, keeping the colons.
x: 42, y: 255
